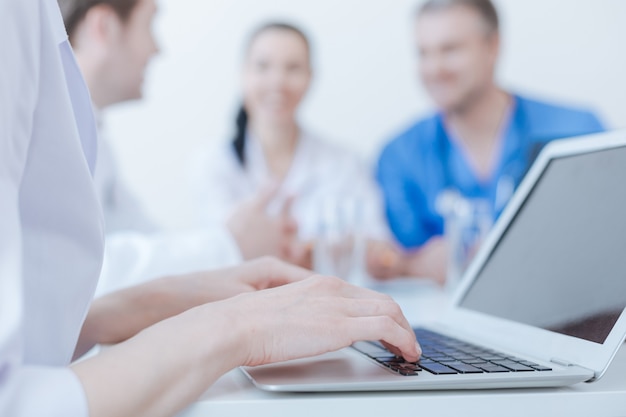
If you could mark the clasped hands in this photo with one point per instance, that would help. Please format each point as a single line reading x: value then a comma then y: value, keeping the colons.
x: 259, y: 233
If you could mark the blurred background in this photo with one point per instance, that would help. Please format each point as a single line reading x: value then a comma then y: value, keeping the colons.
x: 366, y: 87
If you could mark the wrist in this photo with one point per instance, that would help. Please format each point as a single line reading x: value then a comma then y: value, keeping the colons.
x: 227, y: 335
x: 118, y: 316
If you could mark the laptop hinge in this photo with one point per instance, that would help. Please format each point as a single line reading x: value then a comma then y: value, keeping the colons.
x: 562, y: 362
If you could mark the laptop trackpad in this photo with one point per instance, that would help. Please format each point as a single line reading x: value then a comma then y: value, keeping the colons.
x: 344, y: 366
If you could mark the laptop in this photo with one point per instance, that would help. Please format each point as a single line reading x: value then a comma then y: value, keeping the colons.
x: 542, y: 304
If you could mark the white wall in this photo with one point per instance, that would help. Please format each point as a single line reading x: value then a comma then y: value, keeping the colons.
x: 365, y: 87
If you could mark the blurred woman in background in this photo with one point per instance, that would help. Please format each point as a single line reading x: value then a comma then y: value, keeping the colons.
x: 273, y: 161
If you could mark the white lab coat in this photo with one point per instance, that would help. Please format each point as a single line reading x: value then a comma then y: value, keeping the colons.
x: 320, y: 172
x: 50, y: 223
x: 137, y: 250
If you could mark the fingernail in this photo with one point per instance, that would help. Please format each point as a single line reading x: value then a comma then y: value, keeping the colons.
x: 419, y: 349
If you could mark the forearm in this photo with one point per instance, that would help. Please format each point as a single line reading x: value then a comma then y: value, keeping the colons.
x: 120, y: 315
x: 162, y: 369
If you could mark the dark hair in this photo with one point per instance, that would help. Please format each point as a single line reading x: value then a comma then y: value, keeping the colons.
x: 241, y: 121
x: 485, y: 9
x: 74, y: 11
x: 239, y: 142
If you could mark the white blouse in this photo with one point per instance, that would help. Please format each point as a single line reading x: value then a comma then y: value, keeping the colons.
x: 50, y: 223
x: 320, y: 172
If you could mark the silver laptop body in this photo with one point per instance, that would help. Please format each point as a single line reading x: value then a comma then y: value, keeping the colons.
x: 548, y: 286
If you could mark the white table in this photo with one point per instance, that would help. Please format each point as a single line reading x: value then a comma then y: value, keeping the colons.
x: 234, y: 395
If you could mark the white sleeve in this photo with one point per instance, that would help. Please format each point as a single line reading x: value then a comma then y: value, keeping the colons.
x: 47, y: 392
x: 24, y: 390
x: 132, y: 258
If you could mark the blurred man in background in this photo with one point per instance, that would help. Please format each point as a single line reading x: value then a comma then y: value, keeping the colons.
x: 478, y: 145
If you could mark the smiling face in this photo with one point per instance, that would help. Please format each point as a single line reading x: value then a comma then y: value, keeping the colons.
x: 457, y: 56
x: 276, y: 75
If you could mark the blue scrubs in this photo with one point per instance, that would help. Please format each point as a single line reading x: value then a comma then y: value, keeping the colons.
x: 418, y: 165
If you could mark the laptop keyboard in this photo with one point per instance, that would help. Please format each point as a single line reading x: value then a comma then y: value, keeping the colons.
x: 444, y: 355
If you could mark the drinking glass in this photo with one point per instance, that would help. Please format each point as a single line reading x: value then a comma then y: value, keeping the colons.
x: 467, y: 223
x: 338, y: 244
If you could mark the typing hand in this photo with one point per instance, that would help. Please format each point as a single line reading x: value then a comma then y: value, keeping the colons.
x: 207, y: 286
x: 311, y: 317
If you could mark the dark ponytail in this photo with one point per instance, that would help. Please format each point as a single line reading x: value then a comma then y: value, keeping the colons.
x: 239, y: 141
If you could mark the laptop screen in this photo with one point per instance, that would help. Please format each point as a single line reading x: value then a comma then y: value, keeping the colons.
x: 561, y: 263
